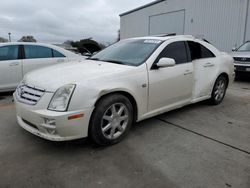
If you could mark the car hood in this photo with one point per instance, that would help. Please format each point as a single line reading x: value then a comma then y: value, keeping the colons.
x: 52, y: 77
x: 241, y: 54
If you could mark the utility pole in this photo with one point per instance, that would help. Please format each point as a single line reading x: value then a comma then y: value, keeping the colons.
x: 9, y: 37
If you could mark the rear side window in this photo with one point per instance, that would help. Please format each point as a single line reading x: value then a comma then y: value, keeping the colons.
x: 176, y: 51
x: 205, y: 53
x: 198, y: 51
x: 57, y: 54
x: 34, y: 52
x: 8, y: 53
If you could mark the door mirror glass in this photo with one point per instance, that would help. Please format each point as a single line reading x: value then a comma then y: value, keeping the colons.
x: 166, y: 62
x: 87, y: 54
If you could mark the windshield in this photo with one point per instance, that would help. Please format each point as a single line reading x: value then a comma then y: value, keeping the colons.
x: 128, y: 52
x: 245, y: 47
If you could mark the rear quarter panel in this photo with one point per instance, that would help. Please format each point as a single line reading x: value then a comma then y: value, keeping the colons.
x: 226, y: 65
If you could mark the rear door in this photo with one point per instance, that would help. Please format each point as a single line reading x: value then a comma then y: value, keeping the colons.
x: 40, y: 56
x: 10, y: 67
x: 204, y: 68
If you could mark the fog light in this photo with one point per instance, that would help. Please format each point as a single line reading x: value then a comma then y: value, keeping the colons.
x: 50, y: 125
x: 51, y: 122
x: 51, y: 131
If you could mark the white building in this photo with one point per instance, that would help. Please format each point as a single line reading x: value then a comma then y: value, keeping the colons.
x: 225, y: 23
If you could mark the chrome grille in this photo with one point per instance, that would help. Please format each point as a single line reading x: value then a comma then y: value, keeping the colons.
x: 28, y: 94
x: 242, y: 59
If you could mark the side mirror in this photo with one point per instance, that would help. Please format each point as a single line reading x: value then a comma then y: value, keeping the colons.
x: 87, y: 54
x: 234, y: 49
x: 94, y: 53
x: 165, y: 62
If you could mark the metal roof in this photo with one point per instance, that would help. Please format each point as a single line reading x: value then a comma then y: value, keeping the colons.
x: 141, y: 7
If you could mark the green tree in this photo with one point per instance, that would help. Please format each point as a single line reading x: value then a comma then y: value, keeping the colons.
x: 28, y: 38
x: 87, y: 46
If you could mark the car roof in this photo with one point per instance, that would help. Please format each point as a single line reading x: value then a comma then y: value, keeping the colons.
x: 60, y: 49
x: 180, y: 38
x: 27, y: 43
x: 167, y: 37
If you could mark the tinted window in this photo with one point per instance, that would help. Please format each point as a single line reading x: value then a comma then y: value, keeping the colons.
x: 8, y: 53
x: 176, y: 51
x: 198, y: 51
x: 205, y: 53
x: 195, y: 51
x: 33, y: 52
x: 57, y: 54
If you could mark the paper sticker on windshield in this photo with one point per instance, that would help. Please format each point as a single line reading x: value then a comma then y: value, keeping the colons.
x: 151, y: 41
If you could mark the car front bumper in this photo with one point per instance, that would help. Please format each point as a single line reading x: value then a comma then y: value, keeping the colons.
x: 51, y: 125
x: 242, y: 67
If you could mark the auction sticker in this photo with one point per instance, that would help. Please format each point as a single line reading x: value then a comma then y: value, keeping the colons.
x: 151, y: 41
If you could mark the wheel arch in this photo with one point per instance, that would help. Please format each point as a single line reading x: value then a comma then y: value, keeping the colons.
x: 225, y: 75
x: 127, y: 94
x: 221, y: 74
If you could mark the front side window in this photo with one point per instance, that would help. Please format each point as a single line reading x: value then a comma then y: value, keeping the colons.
x: 176, y: 51
x: 128, y: 52
x: 8, y: 53
x: 34, y: 52
x: 198, y: 51
x: 245, y: 47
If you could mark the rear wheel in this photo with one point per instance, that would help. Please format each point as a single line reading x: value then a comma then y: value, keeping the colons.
x: 219, y: 90
x: 111, y: 119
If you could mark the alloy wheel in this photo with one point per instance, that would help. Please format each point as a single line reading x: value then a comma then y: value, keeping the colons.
x: 115, y: 120
x: 220, y: 90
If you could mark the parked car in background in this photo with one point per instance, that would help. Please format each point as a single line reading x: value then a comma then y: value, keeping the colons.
x: 16, y: 59
x: 130, y: 81
x: 242, y: 58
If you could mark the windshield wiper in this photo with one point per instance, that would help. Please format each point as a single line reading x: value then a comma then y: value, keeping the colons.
x: 96, y: 59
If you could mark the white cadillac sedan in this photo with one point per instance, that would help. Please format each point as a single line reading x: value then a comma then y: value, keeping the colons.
x: 130, y: 81
x: 18, y: 58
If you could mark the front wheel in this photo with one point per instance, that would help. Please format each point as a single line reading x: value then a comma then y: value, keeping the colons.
x: 111, y: 119
x: 219, y: 90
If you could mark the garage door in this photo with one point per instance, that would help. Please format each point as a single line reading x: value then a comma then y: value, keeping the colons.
x: 172, y: 22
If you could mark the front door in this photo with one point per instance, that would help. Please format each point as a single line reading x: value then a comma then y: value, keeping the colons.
x: 10, y: 67
x: 171, y: 86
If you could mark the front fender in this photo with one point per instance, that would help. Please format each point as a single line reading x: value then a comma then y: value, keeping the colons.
x: 88, y: 93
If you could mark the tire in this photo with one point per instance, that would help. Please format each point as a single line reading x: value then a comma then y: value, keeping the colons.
x: 111, y: 120
x: 219, y: 90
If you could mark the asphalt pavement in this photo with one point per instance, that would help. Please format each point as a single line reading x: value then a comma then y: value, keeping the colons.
x: 196, y: 146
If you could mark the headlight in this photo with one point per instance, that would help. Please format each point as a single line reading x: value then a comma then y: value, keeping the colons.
x: 61, y: 98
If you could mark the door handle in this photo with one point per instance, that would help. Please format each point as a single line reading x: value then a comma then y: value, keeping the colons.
x: 60, y: 60
x: 187, y: 72
x: 208, y: 65
x: 14, y: 64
